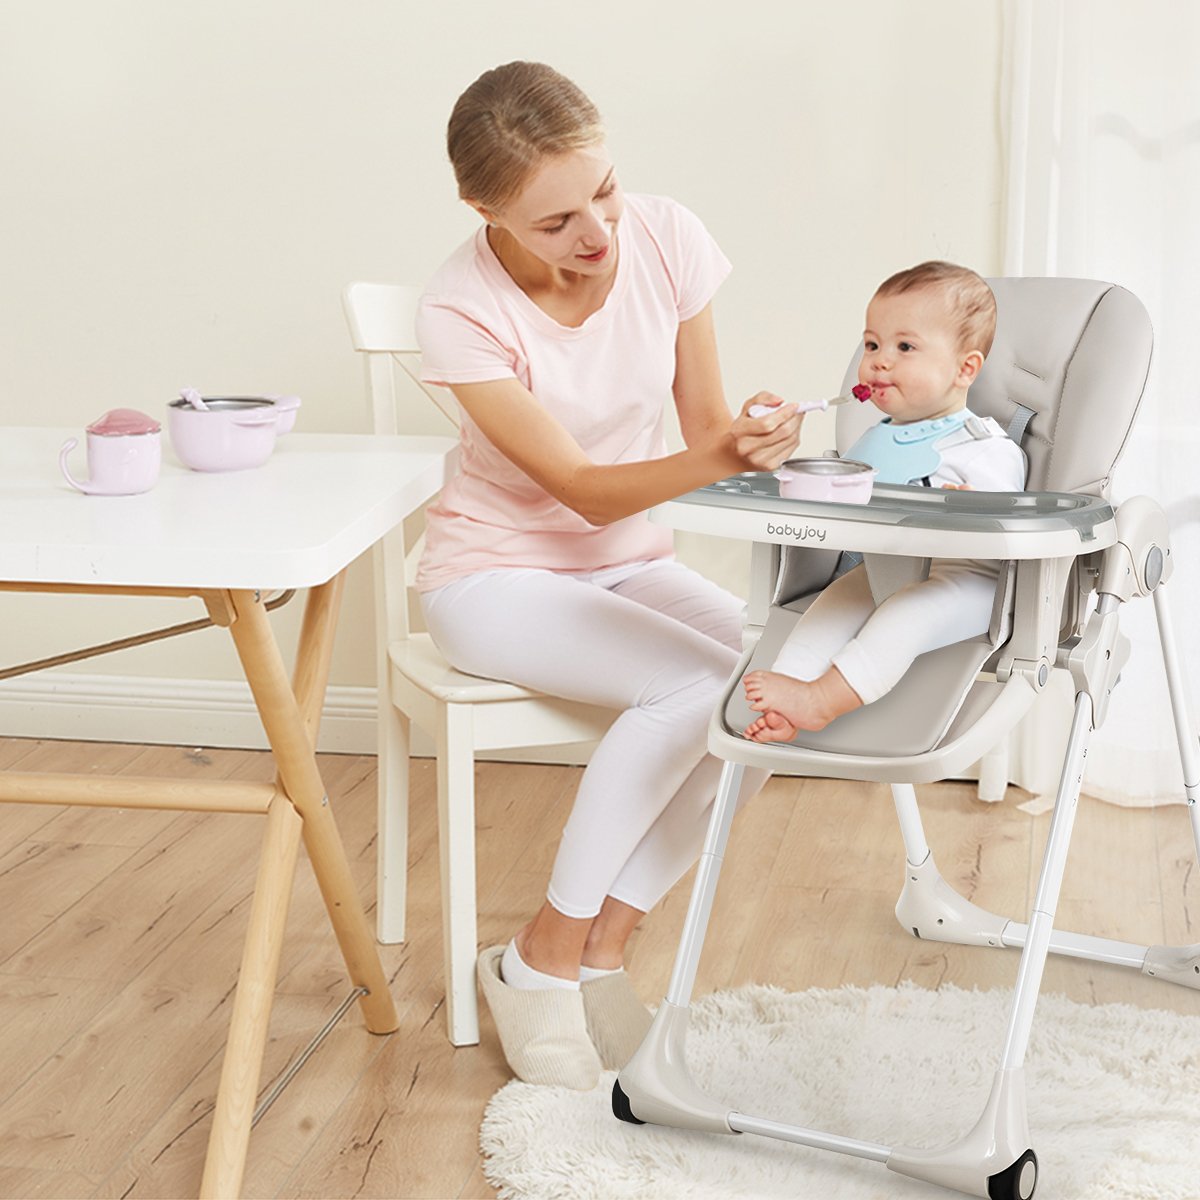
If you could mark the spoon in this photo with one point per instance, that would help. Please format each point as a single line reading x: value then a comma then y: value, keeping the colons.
x: 859, y: 392
x: 194, y: 398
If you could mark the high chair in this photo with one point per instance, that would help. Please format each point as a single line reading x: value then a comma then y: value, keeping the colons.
x: 1065, y: 376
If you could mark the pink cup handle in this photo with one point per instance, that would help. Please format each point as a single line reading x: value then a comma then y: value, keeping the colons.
x: 253, y: 422
x: 67, y: 447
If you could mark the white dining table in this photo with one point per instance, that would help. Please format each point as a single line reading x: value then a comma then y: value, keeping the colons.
x: 231, y: 540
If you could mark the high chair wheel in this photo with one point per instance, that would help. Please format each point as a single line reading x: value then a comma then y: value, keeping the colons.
x: 1017, y: 1182
x: 620, y: 1105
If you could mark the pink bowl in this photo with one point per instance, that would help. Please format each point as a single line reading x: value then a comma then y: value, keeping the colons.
x: 233, y: 433
x: 843, y: 480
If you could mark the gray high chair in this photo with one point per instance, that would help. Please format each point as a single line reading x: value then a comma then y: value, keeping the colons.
x: 1065, y: 377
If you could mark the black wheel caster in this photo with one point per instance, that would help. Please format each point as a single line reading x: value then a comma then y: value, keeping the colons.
x: 1017, y: 1182
x: 621, y: 1109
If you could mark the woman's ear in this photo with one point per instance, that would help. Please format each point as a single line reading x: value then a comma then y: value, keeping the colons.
x: 485, y: 213
x: 969, y: 368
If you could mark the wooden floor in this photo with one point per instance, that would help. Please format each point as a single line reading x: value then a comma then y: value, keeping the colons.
x: 121, y: 933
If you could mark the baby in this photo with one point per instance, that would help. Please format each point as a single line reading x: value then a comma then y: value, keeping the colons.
x: 928, y: 331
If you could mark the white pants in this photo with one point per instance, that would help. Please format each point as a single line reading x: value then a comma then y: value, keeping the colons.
x: 655, y: 640
x: 872, y: 646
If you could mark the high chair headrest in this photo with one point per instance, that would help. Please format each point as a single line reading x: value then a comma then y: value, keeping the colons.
x: 1070, y: 358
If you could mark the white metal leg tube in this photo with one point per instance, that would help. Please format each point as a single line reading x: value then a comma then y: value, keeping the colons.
x: 742, y: 1123
x: 691, y: 943
x: 1082, y: 945
x: 1184, y: 729
x: 916, y: 848
x: 1054, y: 861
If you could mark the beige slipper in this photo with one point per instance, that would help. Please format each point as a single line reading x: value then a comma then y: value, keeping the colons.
x: 543, y: 1032
x: 617, y: 1020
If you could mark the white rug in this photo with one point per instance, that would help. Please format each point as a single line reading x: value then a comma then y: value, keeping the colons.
x: 1114, y: 1101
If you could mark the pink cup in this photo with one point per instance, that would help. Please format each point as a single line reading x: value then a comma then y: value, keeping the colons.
x: 124, y: 452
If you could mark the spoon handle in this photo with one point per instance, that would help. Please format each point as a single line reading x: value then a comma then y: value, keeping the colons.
x: 194, y: 398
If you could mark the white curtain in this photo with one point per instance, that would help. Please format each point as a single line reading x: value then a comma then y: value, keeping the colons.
x: 1103, y: 108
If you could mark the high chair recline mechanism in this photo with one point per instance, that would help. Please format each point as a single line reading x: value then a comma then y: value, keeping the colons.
x: 1066, y: 376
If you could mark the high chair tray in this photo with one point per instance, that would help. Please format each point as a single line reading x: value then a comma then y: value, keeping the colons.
x: 915, y: 521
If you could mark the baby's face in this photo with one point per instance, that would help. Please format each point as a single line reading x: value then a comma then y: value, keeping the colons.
x: 911, y: 359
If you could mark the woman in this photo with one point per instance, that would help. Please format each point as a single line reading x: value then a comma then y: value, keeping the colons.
x: 562, y: 327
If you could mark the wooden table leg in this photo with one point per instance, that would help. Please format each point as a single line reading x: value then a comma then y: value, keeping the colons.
x: 284, y: 722
x: 242, y: 1065
x: 310, y: 677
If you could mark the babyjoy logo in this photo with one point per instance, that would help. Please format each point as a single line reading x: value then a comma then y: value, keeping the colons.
x: 804, y: 533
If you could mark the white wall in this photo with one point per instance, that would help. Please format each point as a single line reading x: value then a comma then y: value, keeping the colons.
x: 188, y: 186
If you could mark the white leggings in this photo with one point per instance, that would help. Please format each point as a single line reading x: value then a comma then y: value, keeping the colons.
x: 872, y: 646
x: 655, y: 640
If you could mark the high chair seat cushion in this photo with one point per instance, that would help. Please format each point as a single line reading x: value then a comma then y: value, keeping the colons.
x: 912, y: 718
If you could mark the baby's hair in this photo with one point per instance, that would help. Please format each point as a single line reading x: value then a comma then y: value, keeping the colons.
x: 510, y: 119
x: 971, y: 301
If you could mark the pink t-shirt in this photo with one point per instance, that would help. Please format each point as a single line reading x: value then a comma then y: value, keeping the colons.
x: 607, y: 382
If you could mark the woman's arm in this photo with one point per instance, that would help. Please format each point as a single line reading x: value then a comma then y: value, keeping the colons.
x: 512, y: 420
x: 699, y: 393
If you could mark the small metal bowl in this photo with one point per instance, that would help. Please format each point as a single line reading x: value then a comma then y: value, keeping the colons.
x: 843, y: 480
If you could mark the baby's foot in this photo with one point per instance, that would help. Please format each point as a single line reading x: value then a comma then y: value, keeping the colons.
x: 771, y: 727
x: 753, y: 683
x: 803, y: 705
x: 769, y: 691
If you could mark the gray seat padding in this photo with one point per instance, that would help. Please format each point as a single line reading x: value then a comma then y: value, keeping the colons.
x: 911, y: 719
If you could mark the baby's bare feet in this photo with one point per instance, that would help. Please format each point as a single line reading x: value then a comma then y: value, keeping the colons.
x: 771, y: 691
x: 771, y: 727
x: 753, y: 685
x: 795, y: 703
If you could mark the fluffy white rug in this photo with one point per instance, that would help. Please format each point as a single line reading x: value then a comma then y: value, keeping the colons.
x: 1114, y: 1101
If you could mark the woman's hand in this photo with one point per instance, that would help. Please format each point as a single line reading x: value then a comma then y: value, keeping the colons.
x: 765, y: 439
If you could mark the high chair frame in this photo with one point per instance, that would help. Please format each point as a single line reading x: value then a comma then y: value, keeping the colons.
x: 1061, y: 548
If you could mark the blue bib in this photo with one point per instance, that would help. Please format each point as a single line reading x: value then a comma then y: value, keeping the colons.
x: 905, y: 453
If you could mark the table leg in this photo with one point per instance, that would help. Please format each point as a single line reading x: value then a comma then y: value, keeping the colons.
x: 284, y: 723
x: 242, y: 1065
x: 310, y: 677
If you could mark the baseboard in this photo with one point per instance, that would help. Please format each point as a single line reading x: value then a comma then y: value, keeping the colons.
x: 173, y: 712
x: 195, y: 712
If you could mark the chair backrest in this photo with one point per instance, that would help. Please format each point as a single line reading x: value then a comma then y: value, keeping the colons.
x: 1070, y: 357
x: 382, y: 320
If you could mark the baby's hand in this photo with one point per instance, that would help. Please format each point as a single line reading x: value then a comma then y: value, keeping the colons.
x: 958, y: 487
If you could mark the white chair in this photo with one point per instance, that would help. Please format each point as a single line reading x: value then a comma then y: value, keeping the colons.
x: 465, y: 714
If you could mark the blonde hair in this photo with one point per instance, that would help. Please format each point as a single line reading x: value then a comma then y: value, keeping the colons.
x: 970, y: 299
x: 507, y: 121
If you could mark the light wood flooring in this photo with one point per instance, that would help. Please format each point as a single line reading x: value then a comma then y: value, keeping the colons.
x: 120, y: 934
